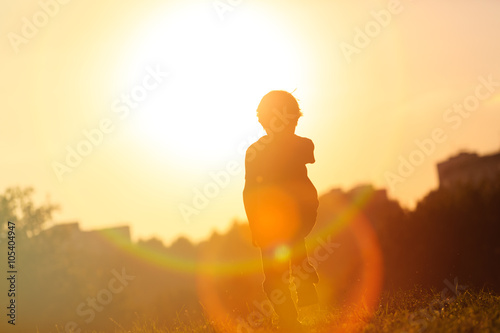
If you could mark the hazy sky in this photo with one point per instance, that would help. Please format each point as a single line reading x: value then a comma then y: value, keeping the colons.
x: 160, y: 96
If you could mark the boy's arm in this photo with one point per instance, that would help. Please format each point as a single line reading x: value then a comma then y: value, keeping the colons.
x: 248, y: 199
x: 309, y: 152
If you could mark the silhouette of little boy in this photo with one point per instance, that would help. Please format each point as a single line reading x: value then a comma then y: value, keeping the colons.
x: 281, y: 204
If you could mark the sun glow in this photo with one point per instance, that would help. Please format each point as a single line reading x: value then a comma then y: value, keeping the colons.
x: 218, y: 71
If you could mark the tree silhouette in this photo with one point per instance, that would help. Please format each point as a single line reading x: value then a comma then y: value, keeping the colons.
x: 16, y: 205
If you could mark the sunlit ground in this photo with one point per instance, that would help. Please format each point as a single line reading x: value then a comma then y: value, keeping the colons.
x: 412, y: 311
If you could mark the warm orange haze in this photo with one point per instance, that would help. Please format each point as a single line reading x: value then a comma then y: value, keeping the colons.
x: 139, y: 120
x: 173, y: 88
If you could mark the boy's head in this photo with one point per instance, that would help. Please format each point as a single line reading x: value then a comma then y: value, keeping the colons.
x: 278, y: 111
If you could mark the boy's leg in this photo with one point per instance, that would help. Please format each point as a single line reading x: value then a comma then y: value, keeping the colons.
x: 304, y: 275
x: 277, y: 286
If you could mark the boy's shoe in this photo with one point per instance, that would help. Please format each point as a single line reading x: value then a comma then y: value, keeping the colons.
x: 306, y: 294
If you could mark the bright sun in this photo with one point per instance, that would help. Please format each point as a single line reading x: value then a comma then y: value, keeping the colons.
x: 218, y: 71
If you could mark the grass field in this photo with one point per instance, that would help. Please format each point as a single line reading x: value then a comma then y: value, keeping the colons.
x: 410, y: 311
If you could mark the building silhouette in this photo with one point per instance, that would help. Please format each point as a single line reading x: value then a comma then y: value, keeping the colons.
x: 69, y: 235
x: 469, y: 169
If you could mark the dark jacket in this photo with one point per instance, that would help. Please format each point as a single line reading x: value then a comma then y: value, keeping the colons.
x: 280, y: 200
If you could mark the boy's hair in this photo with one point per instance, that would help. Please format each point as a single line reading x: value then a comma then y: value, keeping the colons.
x: 277, y: 101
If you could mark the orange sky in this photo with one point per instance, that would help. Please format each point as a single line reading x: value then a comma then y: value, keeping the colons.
x: 366, y: 99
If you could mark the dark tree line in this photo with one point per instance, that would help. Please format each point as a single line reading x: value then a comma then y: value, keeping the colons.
x: 451, y: 233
